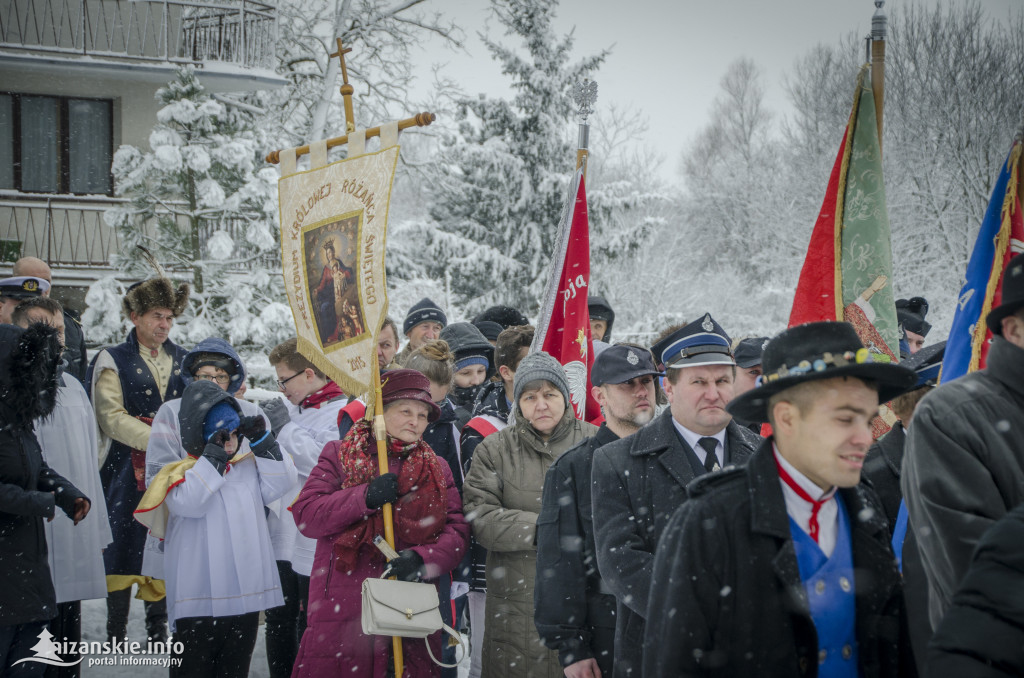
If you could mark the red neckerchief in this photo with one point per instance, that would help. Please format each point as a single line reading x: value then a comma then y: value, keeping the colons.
x: 328, y: 392
x: 800, y: 492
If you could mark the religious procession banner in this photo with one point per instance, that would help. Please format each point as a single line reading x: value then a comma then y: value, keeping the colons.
x: 333, y: 232
x: 847, y: 274
x: 1000, y: 239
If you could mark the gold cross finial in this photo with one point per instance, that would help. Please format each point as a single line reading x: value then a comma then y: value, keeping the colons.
x: 342, y: 51
x: 346, y: 89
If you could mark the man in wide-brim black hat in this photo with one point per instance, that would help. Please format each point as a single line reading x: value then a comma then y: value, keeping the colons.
x: 785, y: 565
x: 964, y: 463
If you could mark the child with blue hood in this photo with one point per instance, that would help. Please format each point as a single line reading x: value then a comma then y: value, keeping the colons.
x: 212, y: 465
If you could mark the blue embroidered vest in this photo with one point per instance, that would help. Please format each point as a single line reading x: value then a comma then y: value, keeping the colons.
x: 831, y: 598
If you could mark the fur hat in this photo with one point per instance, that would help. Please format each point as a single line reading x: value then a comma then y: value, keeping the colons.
x: 28, y: 373
x: 159, y: 292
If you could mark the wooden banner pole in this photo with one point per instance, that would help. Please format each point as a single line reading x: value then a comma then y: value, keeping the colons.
x: 381, y: 434
x: 418, y: 120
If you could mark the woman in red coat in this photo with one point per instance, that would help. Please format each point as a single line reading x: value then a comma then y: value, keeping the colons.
x: 340, y: 506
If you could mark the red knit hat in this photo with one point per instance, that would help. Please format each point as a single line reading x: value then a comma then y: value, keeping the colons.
x: 408, y: 385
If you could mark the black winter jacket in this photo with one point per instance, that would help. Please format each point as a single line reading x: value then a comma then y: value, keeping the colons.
x: 573, y: 610
x: 882, y: 470
x: 732, y: 604
x: 964, y: 466
x: 982, y: 635
x: 29, y: 489
x: 492, y: 402
x: 642, y: 481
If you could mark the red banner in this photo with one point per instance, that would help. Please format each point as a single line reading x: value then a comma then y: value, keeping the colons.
x: 563, y: 328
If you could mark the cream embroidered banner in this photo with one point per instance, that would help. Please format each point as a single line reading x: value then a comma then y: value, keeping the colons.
x: 333, y: 230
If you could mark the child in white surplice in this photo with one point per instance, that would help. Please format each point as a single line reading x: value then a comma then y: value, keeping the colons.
x: 220, y: 467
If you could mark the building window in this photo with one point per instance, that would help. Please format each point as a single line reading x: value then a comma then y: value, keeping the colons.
x: 56, y: 144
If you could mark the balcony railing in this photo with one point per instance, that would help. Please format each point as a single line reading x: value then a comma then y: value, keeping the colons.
x: 70, y: 232
x: 241, y: 32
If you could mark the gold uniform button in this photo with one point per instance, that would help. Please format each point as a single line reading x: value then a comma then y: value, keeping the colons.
x: 822, y: 654
x: 844, y: 584
x: 819, y: 587
x: 847, y: 651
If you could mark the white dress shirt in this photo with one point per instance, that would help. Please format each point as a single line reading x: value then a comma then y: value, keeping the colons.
x: 799, y: 509
x: 691, y: 439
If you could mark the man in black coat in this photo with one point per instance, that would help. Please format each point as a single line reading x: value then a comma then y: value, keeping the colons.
x: 982, y: 634
x: 784, y: 567
x: 642, y: 479
x: 29, y: 490
x: 573, y: 609
x: 882, y: 470
x: 964, y: 464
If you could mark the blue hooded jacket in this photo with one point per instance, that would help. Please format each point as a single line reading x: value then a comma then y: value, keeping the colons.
x: 220, y: 347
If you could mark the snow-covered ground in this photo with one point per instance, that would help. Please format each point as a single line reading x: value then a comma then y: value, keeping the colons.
x: 94, y: 624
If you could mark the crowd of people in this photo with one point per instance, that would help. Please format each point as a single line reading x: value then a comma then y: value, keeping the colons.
x: 730, y: 513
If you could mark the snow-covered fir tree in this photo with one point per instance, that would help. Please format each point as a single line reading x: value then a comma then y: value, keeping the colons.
x: 204, y: 203
x: 504, y: 174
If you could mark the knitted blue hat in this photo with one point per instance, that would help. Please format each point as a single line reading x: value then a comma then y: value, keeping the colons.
x: 221, y: 416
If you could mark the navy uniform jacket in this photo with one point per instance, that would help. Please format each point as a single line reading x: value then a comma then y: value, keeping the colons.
x: 642, y: 481
x: 573, y: 610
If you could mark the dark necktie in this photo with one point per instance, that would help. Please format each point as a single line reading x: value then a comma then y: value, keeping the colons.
x: 711, y: 460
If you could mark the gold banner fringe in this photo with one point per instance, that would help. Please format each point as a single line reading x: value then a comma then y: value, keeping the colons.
x: 1002, y: 244
x: 851, y: 127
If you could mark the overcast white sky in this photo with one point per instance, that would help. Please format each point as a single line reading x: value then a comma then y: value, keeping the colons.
x: 668, y: 55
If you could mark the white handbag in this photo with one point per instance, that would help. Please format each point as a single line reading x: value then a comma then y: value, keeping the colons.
x: 403, y: 608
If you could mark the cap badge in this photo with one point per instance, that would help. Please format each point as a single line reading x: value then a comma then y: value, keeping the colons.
x: 764, y: 345
x: 707, y: 324
x: 632, y: 359
x: 30, y: 286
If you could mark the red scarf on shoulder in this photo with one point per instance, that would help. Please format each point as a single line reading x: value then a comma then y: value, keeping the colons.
x: 422, y: 505
x: 329, y: 392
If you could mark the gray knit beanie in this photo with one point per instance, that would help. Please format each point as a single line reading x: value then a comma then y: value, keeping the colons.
x: 540, y: 365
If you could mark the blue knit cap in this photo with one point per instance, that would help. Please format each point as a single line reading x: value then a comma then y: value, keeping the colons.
x: 221, y: 416
x: 472, y: 360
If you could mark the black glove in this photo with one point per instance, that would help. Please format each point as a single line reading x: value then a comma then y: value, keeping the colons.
x: 262, y: 443
x: 408, y: 566
x: 382, y: 490
x: 277, y: 413
x: 215, y: 452
x: 252, y: 427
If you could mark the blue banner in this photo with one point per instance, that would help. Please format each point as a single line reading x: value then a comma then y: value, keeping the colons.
x: 971, y: 302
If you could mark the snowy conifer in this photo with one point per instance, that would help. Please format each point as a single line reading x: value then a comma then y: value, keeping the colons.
x: 505, y: 173
x: 203, y: 202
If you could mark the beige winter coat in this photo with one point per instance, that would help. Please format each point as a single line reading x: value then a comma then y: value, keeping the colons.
x: 502, y: 497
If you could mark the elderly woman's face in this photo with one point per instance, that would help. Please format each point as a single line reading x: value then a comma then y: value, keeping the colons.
x: 406, y: 419
x: 543, y: 407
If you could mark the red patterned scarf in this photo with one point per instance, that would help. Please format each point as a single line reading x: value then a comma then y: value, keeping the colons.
x: 422, y: 494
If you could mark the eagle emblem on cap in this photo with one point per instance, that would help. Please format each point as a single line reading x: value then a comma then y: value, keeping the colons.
x: 632, y: 359
x: 707, y: 324
x: 30, y: 286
